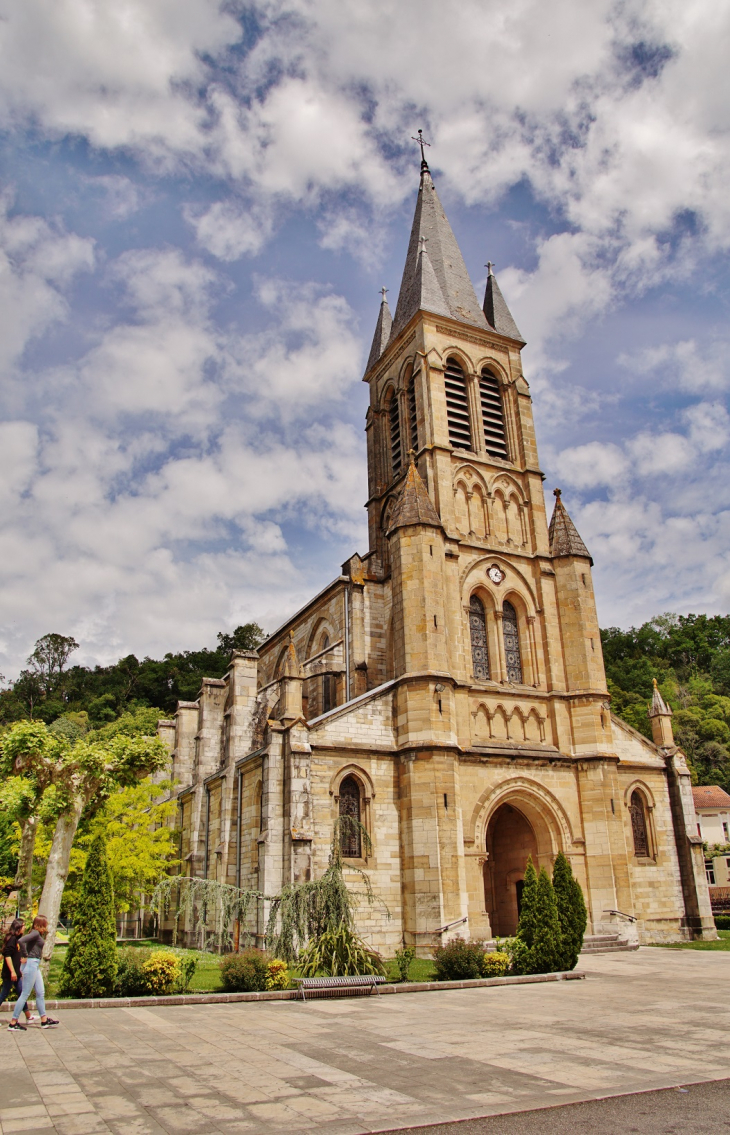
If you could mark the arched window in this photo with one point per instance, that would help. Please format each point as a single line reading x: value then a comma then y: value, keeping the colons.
x: 478, y: 632
x: 328, y: 692
x: 324, y: 644
x: 412, y: 414
x: 350, y: 842
x: 457, y: 406
x: 511, y: 633
x: 638, y: 825
x: 396, y: 459
x: 495, y: 440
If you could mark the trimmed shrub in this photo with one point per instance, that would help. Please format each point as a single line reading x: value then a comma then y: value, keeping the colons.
x: 340, y: 953
x: 245, y: 972
x: 277, y: 975
x: 130, y: 981
x: 546, y: 952
x: 495, y: 964
x: 459, y: 960
x: 722, y: 921
x: 403, y: 959
x: 161, y: 972
x: 571, y: 912
x: 518, y: 954
x: 90, y: 966
x: 528, y: 907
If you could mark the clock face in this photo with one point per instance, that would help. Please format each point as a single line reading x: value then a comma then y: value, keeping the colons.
x: 495, y: 574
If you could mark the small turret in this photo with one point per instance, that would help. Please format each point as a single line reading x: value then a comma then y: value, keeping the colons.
x: 495, y: 308
x: 292, y: 681
x: 382, y: 331
x: 660, y: 716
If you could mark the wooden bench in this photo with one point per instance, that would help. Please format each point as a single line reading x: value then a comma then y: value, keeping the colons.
x: 326, y: 983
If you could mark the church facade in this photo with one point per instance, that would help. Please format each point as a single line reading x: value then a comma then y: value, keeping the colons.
x: 447, y: 688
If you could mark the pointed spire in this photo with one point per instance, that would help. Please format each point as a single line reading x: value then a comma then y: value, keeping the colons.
x: 382, y: 331
x: 658, y: 707
x: 457, y: 296
x: 414, y: 505
x: 563, y: 534
x: 292, y: 667
x: 498, y: 314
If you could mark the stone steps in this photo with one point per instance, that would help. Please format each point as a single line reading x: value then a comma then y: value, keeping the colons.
x: 606, y: 944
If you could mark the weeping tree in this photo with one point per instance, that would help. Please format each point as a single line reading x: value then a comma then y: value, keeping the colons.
x: 300, y: 913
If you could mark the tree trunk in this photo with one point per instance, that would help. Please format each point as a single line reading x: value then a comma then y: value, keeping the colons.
x: 24, y: 874
x: 56, y: 875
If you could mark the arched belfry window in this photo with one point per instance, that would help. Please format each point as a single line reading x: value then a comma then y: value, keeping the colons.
x: 511, y: 632
x: 457, y: 406
x: 478, y: 632
x: 350, y: 842
x: 638, y: 825
x: 412, y: 414
x: 396, y: 459
x: 495, y: 439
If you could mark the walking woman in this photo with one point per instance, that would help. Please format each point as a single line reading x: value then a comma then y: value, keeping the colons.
x: 11, y: 963
x: 31, y: 950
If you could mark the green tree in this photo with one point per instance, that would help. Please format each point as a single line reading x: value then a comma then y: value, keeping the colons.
x: 246, y: 637
x: 49, y: 658
x: 141, y: 845
x: 546, y: 951
x: 528, y: 913
x: 572, y: 913
x: 90, y: 966
x: 80, y: 776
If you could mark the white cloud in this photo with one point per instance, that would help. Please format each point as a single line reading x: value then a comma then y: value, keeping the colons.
x: 686, y: 364
x: 229, y: 230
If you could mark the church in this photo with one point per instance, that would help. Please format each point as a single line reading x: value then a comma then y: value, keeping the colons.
x: 447, y: 688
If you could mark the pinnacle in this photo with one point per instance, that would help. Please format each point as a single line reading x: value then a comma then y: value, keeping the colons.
x: 498, y: 314
x: 658, y: 707
x: 291, y: 667
x: 414, y: 505
x: 563, y: 534
x: 382, y: 333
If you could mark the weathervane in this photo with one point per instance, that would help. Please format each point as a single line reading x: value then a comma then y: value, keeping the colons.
x: 421, y: 142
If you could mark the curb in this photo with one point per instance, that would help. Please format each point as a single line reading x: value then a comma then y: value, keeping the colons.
x: 293, y: 994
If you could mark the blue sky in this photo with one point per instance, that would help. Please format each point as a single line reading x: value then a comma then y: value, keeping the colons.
x: 200, y: 202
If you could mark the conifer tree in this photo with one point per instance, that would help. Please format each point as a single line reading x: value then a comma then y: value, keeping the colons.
x: 526, y: 924
x: 546, y: 951
x: 571, y: 911
x: 90, y: 968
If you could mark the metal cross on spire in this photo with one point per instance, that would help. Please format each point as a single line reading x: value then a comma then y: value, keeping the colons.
x: 383, y: 292
x: 421, y: 142
x: 489, y: 265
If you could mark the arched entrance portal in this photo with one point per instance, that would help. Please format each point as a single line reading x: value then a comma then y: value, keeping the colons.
x: 510, y: 839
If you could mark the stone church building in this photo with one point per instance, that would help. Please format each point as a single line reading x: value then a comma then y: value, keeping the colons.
x: 447, y: 687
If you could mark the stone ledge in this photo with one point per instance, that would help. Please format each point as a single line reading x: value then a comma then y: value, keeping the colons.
x: 293, y: 994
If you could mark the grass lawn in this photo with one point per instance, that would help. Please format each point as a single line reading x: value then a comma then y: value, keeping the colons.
x: 723, y: 943
x: 207, y: 976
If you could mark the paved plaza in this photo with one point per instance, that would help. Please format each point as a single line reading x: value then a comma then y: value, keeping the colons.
x: 651, y: 1019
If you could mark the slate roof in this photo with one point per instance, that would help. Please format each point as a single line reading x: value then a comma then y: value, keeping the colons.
x: 381, y: 336
x: 563, y: 534
x: 498, y: 314
x: 414, y: 505
x: 457, y: 291
x: 711, y: 796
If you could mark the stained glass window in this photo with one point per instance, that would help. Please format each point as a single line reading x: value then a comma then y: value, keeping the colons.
x: 638, y: 825
x: 511, y: 643
x: 350, y: 808
x: 478, y: 631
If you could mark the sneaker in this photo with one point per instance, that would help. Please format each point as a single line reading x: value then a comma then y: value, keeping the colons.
x: 16, y: 1027
x: 30, y: 1017
x: 49, y: 1023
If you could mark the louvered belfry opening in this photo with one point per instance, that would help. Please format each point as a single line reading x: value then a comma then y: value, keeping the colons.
x: 457, y: 406
x: 478, y: 632
x: 495, y: 440
x: 412, y: 415
x: 396, y: 459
